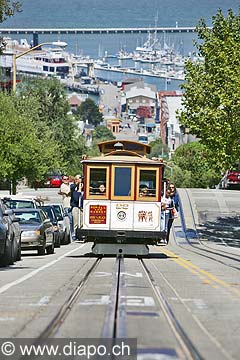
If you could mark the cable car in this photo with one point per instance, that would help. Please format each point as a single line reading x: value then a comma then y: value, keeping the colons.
x: 122, y: 199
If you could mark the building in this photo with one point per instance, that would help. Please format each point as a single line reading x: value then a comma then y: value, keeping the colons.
x: 170, y: 130
x: 113, y: 124
x: 76, y: 99
x: 138, y: 95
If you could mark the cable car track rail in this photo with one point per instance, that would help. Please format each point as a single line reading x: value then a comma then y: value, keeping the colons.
x: 115, y: 320
x: 64, y: 310
x: 189, y: 350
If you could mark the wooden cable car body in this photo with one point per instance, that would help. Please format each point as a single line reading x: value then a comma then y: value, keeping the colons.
x: 124, y: 216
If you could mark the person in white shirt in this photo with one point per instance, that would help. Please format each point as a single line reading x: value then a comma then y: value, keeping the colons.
x: 166, y: 204
x: 65, y: 191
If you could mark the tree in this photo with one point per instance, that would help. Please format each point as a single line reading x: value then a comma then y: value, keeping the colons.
x: 144, y: 111
x: 23, y: 153
x: 212, y: 90
x: 191, y: 166
x: 88, y: 111
x: 54, y: 112
x: 100, y: 133
x: 159, y: 150
x: 7, y: 9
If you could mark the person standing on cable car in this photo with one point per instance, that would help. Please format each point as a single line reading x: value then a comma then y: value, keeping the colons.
x: 175, y: 198
x: 76, y: 201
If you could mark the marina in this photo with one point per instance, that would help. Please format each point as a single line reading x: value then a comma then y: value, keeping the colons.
x: 68, y: 67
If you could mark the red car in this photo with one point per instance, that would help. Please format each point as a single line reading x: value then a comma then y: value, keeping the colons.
x: 231, y: 180
x: 52, y: 180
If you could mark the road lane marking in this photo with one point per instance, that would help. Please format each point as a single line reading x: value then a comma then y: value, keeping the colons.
x: 204, y: 275
x: 42, y: 302
x: 103, y: 274
x: 6, y: 287
x: 199, y: 303
x: 126, y: 300
x: 135, y: 300
x: 7, y: 318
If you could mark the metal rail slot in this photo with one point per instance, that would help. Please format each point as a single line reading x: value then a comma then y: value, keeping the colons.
x: 115, y: 321
x: 61, y: 315
x: 189, y: 350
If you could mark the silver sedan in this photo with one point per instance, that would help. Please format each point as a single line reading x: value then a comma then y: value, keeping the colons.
x: 37, y: 230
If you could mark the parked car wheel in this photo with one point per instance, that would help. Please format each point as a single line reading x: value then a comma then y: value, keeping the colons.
x: 41, y: 250
x: 8, y: 257
x: 57, y: 241
x: 14, y: 250
x: 19, y: 254
x: 50, y: 249
x: 67, y: 238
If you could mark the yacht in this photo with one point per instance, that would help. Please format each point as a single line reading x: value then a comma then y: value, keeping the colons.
x: 45, y: 61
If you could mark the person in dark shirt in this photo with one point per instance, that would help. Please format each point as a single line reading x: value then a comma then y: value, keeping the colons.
x: 76, y: 201
x: 174, y: 195
x: 175, y: 198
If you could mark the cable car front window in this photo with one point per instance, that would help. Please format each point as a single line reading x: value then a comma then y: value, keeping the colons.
x: 98, y: 181
x: 122, y: 181
x: 147, y: 183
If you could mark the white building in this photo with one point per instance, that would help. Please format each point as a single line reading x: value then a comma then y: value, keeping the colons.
x: 170, y: 130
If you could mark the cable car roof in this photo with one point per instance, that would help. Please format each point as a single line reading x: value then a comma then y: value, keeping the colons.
x: 124, y: 159
x: 106, y: 147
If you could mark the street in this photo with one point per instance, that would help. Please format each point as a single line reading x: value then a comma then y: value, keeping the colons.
x: 181, y: 302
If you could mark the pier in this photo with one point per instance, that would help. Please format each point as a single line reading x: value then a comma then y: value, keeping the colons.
x: 144, y: 30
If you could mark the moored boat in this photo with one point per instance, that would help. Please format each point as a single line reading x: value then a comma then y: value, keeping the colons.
x: 45, y: 61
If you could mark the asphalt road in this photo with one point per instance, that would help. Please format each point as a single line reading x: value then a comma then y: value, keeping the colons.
x: 182, y: 302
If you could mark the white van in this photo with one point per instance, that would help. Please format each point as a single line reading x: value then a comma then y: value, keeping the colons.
x: 21, y: 201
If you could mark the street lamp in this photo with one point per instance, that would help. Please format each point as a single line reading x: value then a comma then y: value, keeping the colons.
x: 16, y: 56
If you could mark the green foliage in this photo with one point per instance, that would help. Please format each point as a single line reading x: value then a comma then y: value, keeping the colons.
x: 52, y: 110
x: 88, y: 111
x: 23, y: 153
x: 212, y: 90
x: 191, y: 167
x: 100, y: 133
x: 7, y: 9
x: 158, y: 150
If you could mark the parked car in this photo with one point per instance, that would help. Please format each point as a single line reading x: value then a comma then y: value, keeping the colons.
x: 53, y: 179
x: 64, y: 224
x: 20, y: 201
x: 231, y: 180
x: 5, y: 184
x: 52, y: 215
x: 10, y: 237
x: 37, y: 230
